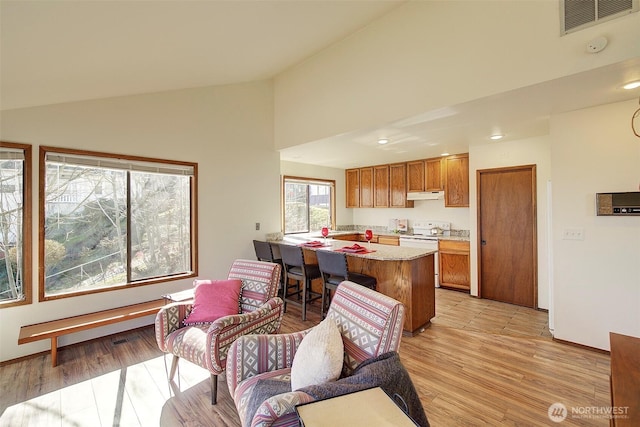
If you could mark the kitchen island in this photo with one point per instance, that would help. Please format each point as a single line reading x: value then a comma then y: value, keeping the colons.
x: 405, y: 274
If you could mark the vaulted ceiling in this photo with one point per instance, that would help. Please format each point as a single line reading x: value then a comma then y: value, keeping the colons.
x: 62, y: 51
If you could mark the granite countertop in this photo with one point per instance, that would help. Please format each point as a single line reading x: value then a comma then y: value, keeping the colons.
x: 380, y: 252
x: 456, y: 238
x: 316, y: 235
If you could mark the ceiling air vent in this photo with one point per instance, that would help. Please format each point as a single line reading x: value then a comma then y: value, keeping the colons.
x: 579, y: 14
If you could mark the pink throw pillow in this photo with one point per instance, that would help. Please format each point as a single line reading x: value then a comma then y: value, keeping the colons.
x: 214, y: 299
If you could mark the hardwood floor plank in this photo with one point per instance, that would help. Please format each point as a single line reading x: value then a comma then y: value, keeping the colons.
x: 480, y: 362
x: 108, y: 391
x: 144, y: 394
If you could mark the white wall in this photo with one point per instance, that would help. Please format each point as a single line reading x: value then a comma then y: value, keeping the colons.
x: 596, y: 280
x: 228, y: 130
x: 533, y: 151
x: 425, y: 55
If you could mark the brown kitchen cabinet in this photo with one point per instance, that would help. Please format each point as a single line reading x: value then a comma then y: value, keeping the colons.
x: 352, y: 179
x: 381, y: 186
x: 425, y: 175
x: 385, y: 186
x: 359, y: 237
x: 389, y: 240
x: 433, y: 175
x: 456, y: 181
x: 415, y: 176
x: 366, y: 187
x: 349, y: 237
x: 454, y: 265
x: 398, y: 186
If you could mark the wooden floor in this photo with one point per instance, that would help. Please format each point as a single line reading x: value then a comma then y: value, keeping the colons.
x: 480, y: 363
x: 459, y: 310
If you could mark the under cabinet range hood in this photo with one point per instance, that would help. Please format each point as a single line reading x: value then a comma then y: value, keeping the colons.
x: 426, y: 195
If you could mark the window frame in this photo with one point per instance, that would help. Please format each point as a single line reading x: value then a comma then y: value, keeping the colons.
x: 307, y: 180
x: 44, y: 150
x: 27, y: 226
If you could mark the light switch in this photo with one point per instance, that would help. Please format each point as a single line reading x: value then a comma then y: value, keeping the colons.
x: 573, y: 234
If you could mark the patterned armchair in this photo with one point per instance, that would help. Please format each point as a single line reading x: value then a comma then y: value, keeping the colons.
x: 370, y: 324
x: 207, y: 345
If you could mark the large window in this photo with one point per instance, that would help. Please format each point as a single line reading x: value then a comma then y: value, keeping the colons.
x: 309, y: 204
x: 15, y: 224
x: 110, y: 221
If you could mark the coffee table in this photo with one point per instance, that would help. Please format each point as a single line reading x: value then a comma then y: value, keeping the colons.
x: 365, y: 408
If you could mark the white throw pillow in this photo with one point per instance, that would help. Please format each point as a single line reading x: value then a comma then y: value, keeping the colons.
x: 319, y: 357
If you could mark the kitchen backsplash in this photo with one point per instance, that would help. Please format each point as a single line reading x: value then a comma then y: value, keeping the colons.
x: 383, y: 229
x: 377, y: 229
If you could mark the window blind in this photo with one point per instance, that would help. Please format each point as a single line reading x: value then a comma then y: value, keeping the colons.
x: 119, y: 164
x: 310, y: 181
x: 11, y: 154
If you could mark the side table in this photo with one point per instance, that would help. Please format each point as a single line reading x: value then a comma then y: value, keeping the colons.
x: 365, y: 408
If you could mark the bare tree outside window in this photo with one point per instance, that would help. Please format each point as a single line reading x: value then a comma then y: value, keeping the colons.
x: 111, y: 223
x: 15, y: 224
x: 160, y: 225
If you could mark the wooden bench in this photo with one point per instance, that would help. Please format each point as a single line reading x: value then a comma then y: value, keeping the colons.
x: 55, y: 328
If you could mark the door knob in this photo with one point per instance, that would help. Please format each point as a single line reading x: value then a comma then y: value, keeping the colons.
x: 483, y: 242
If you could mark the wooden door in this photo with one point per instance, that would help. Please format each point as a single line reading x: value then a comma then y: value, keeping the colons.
x: 366, y: 187
x: 456, y: 182
x: 433, y: 175
x: 352, y: 177
x: 398, y: 186
x: 381, y: 186
x: 415, y: 176
x: 507, y: 244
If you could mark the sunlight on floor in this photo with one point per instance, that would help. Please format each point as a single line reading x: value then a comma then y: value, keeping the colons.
x: 132, y: 396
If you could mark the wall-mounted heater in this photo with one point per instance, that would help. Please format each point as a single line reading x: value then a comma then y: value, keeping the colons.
x: 618, y: 204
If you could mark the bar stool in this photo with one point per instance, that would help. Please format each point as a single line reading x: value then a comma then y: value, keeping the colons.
x: 334, y: 270
x: 265, y: 251
x: 296, y: 269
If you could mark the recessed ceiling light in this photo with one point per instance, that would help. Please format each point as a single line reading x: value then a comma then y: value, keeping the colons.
x: 444, y: 154
x: 496, y: 136
x: 382, y: 141
x: 632, y: 85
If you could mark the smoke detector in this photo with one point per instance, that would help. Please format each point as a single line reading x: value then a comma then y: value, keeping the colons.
x: 597, y: 45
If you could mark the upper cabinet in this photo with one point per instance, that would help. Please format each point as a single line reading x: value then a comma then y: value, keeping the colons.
x: 398, y: 186
x: 425, y: 175
x: 384, y: 186
x: 353, y: 188
x: 433, y: 174
x: 415, y: 176
x: 366, y: 187
x: 381, y: 186
x: 456, y: 188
